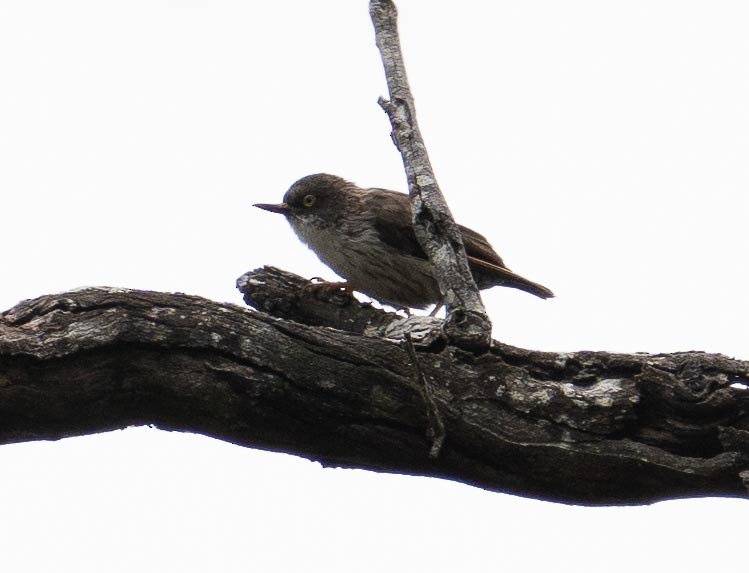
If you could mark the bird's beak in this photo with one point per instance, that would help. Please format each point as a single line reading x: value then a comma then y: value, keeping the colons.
x: 282, y: 208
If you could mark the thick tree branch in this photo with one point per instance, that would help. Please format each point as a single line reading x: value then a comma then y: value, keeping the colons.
x: 467, y: 322
x: 585, y: 427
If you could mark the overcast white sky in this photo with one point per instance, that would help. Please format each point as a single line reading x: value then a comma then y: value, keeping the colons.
x: 602, y: 147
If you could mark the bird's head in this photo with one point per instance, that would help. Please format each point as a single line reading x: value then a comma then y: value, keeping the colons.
x: 315, y: 199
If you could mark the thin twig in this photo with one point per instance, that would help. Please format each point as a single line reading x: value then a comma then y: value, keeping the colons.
x: 436, y: 428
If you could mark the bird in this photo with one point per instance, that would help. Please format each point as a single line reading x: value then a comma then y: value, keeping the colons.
x: 366, y: 236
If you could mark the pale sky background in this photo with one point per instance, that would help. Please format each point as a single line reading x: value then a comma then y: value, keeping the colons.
x: 601, y: 146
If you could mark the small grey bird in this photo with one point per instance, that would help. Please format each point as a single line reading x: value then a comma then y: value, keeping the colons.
x: 366, y: 236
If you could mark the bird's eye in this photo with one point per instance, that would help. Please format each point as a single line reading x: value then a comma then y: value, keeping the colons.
x: 309, y: 200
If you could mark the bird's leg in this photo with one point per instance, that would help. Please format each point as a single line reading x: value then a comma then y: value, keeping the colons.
x: 436, y: 309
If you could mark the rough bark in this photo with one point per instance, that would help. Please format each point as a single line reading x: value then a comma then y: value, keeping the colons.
x: 319, y: 375
x: 467, y: 325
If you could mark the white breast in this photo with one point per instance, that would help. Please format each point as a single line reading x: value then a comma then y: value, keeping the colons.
x: 343, y: 252
x: 369, y: 265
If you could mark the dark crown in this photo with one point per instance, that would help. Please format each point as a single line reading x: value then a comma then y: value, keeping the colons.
x: 322, y: 186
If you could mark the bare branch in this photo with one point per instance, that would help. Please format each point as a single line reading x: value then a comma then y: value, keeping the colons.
x: 585, y: 427
x: 467, y: 324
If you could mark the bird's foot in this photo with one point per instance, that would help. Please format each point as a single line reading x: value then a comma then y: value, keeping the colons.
x: 405, y: 310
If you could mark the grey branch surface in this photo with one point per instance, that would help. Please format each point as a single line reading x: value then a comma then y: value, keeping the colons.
x: 467, y: 322
x: 317, y: 374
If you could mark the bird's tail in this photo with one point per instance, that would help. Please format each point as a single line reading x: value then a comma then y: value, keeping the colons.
x: 521, y: 283
x: 488, y: 275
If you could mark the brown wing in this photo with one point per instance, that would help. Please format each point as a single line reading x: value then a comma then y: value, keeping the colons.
x: 394, y: 226
x: 393, y: 222
x: 478, y: 248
